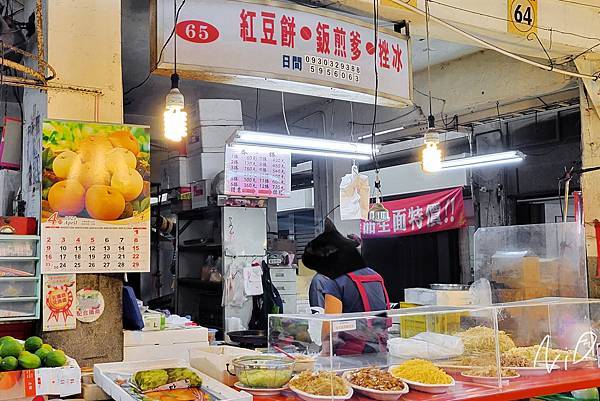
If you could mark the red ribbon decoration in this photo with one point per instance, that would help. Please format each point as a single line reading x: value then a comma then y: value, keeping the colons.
x: 57, y: 310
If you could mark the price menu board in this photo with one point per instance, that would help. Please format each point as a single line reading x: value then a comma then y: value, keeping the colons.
x: 253, y: 173
x: 95, y: 198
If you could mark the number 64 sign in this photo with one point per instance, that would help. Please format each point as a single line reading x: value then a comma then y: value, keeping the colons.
x: 522, y: 17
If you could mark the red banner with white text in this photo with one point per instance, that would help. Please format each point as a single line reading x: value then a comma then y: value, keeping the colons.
x: 439, y: 211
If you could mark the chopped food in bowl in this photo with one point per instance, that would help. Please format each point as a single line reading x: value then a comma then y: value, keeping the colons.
x: 320, y: 384
x: 263, y: 371
x: 375, y: 379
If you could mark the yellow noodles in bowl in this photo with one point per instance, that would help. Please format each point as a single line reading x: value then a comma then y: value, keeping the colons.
x: 421, y: 371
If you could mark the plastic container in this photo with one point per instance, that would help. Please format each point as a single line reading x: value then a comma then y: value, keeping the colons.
x: 17, y: 268
x: 212, y: 336
x: 263, y: 371
x: 13, y: 308
x: 18, y: 287
x: 11, y: 246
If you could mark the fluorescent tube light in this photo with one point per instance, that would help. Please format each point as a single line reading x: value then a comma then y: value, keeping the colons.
x: 321, y: 153
x: 479, y: 161
x: 387, y: 131
x: 306, y: 145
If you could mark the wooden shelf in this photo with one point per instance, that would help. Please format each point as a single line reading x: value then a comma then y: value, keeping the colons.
x: 522, y: 388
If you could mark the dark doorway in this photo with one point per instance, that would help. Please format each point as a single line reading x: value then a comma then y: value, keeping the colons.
x: 414, y: 261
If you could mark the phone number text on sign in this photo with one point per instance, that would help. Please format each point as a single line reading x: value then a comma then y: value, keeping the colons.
x: 333, y: 68
x: 96, y: 249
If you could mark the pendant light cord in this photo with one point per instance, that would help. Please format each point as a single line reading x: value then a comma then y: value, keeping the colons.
x: 431, y: 119
x: 376, y: 71
x: 175, y: 17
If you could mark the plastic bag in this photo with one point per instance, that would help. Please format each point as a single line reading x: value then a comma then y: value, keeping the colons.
x: 426, y: 345
x: 481, y: 292
x: 354, y: 196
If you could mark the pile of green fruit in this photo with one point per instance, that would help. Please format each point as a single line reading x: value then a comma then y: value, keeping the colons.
x: 31, y: 354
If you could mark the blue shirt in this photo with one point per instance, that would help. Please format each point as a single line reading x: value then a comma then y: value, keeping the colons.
x: 344, y: 289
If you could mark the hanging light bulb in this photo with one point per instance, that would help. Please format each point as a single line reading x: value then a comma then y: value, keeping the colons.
x: 378, y: 213
x: 432, y: 155
x: 175, y: 117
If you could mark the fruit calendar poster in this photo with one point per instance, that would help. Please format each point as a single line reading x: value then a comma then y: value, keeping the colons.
x: 95, y: 198
x: 59, y: 300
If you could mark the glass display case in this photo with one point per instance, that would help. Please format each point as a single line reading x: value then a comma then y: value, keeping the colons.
x: 532, y: 261
x: 19, y: 277
x: 453, y: 350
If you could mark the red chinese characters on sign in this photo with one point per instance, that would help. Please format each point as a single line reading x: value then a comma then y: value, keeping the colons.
x: 271, y: 28
x: 268, y: 21
x: 384, y: 54
x: 438, y: 211
x: 288, y: 31
x: 323, y: 38
x: 339, y: 35
x: 247, y: 26
x: 355, y: 42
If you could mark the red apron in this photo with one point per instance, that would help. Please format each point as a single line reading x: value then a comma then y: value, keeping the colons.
x: 355, y: 344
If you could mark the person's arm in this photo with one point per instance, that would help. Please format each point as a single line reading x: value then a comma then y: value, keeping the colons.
x: 333, y: 306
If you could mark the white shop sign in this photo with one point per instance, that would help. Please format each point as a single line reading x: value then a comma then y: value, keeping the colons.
x: 265, y: 174
x: 284, y: 47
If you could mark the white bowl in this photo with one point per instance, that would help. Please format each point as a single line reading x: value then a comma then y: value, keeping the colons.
x: 427, y: 388
x: 377, y: 394
x: 490, y: 381
x: 314, y: 397
x: 541, y: 370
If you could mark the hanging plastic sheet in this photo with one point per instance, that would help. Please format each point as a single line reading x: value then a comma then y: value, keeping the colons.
x: 354, y: 195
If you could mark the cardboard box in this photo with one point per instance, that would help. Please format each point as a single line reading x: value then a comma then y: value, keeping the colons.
x: 213, y: 361
x: 211, y: 138
x: 104, y: 377
x: 176, y: 343
x: 426, y: 296
x: 165, y: 337
x: 30, y: 383
x: 205, y: 166
x: 200, y: 193
x: 219, y: 112
x: 174, y: 172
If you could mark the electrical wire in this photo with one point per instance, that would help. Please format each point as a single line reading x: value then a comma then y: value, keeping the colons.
x: 579, y: 4
x: 376, y: 71
x: 498, y: 49
x: 175, y: 17
x: 543, y: 28
x: 256, y: 110
x: 351, y: 122
x: 139, y: 85
x: 287, y: 128
x: 388, y: 121
x: 428, y: 56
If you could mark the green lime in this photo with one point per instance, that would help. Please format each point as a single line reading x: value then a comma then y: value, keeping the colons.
x: 9, y: 363
x: 32, y: 344
x: 41, y: 353
x: 55, y: 359
x: 27, y: 360
x: 11, y: 348
x: 47, y: 346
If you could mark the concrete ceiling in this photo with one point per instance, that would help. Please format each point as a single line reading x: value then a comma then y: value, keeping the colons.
x: 148, y: 100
